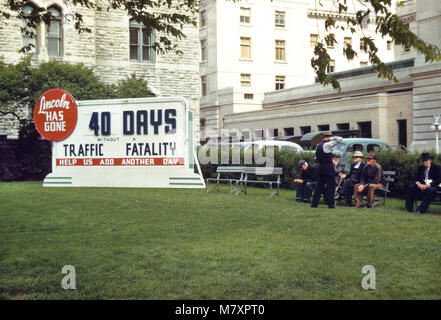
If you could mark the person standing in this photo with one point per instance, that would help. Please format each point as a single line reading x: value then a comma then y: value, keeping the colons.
x: 371, y: 178
x: 428, y: 179
x: 353, y: 177
x: 326, y: 174
x: 307, y: 181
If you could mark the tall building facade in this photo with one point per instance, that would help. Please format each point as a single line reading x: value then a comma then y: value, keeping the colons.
x: 266, y: 46
x: 117, y: 47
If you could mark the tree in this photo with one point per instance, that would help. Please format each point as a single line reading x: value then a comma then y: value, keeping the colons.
x: 21, y: 85
x: 179, y: 13
x: 168, y: 17
x: 387, y: 24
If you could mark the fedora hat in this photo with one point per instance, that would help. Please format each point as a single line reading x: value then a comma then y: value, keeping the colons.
x: 336, y: 153
x: 300, y: 163
x: 371, y: 156
x: 357, y: 154
x: 426, y: 156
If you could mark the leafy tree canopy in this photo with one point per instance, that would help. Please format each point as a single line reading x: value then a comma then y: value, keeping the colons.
x: 21, y: 84
x: 170, y: 16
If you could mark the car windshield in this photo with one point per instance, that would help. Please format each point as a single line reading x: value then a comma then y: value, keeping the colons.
x: 340, y: 147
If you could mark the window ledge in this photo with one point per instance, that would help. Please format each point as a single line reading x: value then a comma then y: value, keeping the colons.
x: 281, y: 61
x: 246, y: 60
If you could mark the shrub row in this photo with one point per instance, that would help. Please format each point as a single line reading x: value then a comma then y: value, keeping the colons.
x: 403, y: 163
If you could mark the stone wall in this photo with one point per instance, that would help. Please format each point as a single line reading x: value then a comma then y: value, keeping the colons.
x: 106, y: 49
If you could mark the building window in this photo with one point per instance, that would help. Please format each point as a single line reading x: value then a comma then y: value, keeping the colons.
x: 389, y: 45
x: 245, y: 15
x: 204, y: 85
x: 402, y: 133
x: 245, y: 47
x: 330, y: 42
x: 288, y: 131
x: 245, y: 80
x: 203, y: 18
x: 348, y: 42
x: 363, y: 46
x: 365, y: 129
x: 29, y: 34
x: 280, y: 82
x: 407, y: 47
x: 313, y: 39
x: 363, y: 63
x: 141, y: 43
x: 331, y: 66
x: 280, y: 19
x: 280, y: 50
x: 246, y: 135
x: 248, y: 96
x: 203, y: 50
x: 305, y: 130
x: 342, y: 126
x: 202, y: 123
x: 323, y: 127
x: 258, y: 134
x: 55, y: 34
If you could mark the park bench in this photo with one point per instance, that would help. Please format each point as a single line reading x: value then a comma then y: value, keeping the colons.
x: 226, y: 170
x: 389, y: 177
x: 257, y: 172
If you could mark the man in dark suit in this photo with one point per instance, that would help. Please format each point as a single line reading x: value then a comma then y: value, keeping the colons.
x: 306, y: 183
x: 353, y: 177
x: 428, y: 179
x: 326, y: 174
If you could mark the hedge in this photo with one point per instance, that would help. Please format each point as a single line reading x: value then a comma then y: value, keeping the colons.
x: 403, y: 163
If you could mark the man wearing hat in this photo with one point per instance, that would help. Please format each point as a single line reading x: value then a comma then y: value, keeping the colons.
x: 353, y: 176
x: 326, y: 174
x: 307, y: 181
x: 339, y: 166
x: 371, y: 179
x: 428, y: 179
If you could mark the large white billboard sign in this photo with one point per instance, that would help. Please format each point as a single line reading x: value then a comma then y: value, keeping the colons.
x: 144, y: 142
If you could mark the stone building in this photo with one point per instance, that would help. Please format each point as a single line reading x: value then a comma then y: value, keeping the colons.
x: 268, y: 45
x: 401, y: 114
x: 114, y: 48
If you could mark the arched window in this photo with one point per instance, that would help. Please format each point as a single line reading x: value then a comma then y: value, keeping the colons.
x: 141, y: 43
x: 54, y: 36
x: 29, y: 33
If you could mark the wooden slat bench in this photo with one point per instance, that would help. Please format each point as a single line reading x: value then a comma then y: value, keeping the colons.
x: 389, y: 177
x: 226, y: 170
x: 260, y: 171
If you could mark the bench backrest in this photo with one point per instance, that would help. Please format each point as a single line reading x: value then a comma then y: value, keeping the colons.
x: 229, y: 169
x: 262, y: 171
x: 389, y: 176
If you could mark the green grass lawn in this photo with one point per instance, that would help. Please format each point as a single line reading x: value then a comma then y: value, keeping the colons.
x: 186, y: 244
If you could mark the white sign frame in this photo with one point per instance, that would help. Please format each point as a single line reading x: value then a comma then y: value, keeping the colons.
x: 68, y: 171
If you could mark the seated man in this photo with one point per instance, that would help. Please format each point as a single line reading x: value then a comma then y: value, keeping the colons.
x: 371, y: 179
x: 339, y: 167
x: 306, y: 183
x: 428, y: 179
x: 353, y: 177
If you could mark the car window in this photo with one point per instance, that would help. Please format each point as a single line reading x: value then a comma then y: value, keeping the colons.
x: 385, y: 147
x: 355, y: 147
x: 373, y: 148
x: 288, y: 148
x: 340, y: 147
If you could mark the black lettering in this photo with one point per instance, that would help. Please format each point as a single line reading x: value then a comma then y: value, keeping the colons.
x: 72, y: 150
x: 154, y: 122
x: 128, y: 122
x: 171, y: 121
x: 80, y: 151
x: 141, y: 122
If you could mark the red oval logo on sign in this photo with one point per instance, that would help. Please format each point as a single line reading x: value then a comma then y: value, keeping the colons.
x: 55, y: 115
